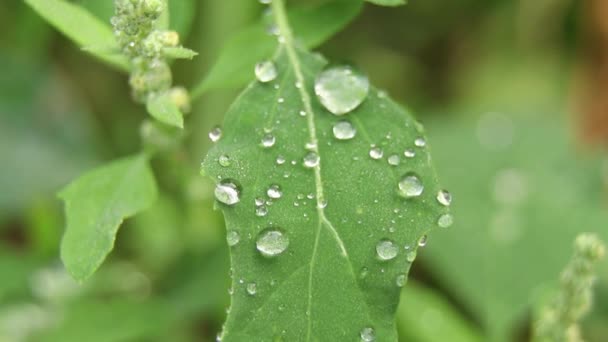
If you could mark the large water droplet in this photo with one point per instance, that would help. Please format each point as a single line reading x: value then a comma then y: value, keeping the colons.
x: 252, y: 289
x: 311, y: 160
x: 274, y: 191
x: 268, y: 140
x: 445, y: 220
x: 265, y: 71
x: 344, y: 130
x: 215, y: 134
x: 227, y: 192
x: 340, y: 89
x: 272, y: 242
x: 401, y: 280
x: 376, y: 153
x: 233, y: 238
x: 368, y: 334
x: 444, y: 197
x: 386, y: 249
x: 410, y: 186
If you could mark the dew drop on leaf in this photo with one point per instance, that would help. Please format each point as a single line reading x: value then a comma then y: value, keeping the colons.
x: 410, y: 186
x: 259, y: 201
x: 224, y: 160
x: 252, y: 289
x: 394, y: 160
x: 274, y: 192
x: 364, y: 272
x: 422, y: 241
x: 261, y: 211
x: 344, y: 130
x: 420, y: 142
x: 311, y: 160
x: 265, y: 71
x: 268, y: 140
x: 280, y: 160
x: 376, y: 153
x: 368, y: 334
x: 409, y: 153
x: 233, y: 238
x: 401, y: 280
x: 340, y: 89
x: 386, y: 249
x: 445, y: 220
x: 411, y: 256
x: 272, y: 242
x: 444, y: 197
x: 227, y: 192
x: 215, y: 134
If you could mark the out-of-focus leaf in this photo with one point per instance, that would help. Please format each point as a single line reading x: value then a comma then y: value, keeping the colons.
x: 181, y: 14
x: 164, y: 109
x: 387, y: 2
x: 425, y: 316
x: 314, y: 25
x: 81, y: 27
x: 15, y: 269
x: 96, y: 204
x: 179, y: 53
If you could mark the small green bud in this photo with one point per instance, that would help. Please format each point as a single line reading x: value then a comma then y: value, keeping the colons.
x: 181, y: 98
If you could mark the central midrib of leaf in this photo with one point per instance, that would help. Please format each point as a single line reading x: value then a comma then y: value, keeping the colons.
x: 278, y: 9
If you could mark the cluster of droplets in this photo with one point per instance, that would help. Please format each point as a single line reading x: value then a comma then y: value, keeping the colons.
x: 147, y: 47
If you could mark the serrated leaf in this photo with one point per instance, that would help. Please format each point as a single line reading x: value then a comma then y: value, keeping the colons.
x: 241, y: 52
x: 388, y: 2
x: 96, y: 204
x: 164, y: 109
x: 179, y: 53
x: 329, y: 284
x: 81, y: 27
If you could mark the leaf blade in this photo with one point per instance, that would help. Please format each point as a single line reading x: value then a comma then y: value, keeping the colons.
x: 96, y: 204
x: 164, y: 109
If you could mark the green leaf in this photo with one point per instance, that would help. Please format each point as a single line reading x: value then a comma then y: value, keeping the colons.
x: 96, y: 204
x: 314, y: 25
x: 80, y: 26
x: 179, y: 53
x: 164, y: 109
x: 329, y: 284
x: 388, y: 2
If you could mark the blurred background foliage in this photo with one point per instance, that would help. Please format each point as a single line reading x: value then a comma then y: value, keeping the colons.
x: 513, y: 94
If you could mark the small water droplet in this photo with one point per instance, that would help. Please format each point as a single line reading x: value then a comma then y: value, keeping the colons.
x: 444, y: 197
x: 344, y: 130
x: 364, y: 272
x: 394, y: 160
x: 376, y: 153
x: 268, y: 140
x: 280, y: 100
x: 261, y: 211
x: 311, y: 160
x: 411, y: 256
x: 401, y: 280
x: 233, y: 238
x: 259, y: 201
x: 224, y: 160
x: 420, y: 142
x: 386, y: 249
x: 311, y: 146
x: 368, y: 334
x: 340, y: 89
x: 274, y: 192
x: 410, y: 186
x: 302, y: 113
x: 227, y: 192
x: 409, y: 153
x: 445, y: 220
x: 271, y: 242
x: 280, y: 160
x: 265, y: 2
x: 265, y: 71
x: 322, y: 204
x: 252, y: 289
x: 423, y: 240
x: 215, y: 134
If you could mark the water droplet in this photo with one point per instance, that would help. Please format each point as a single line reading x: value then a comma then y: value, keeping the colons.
x: 340, y: 89
x: 410, y: 186
x: 368, y: 334
x: 224, y: 160
x: 280, y: 160
x: 274, y: 191
x: 227, y: 192
x: 311, y: 160
x: 386, y: 249
x: 265, y: 2
x: 422, y: 241
x: 420, y: 142
x: 280, y: 100
x: 445, y: 220
x: 409, y: 153
x: 444, y: 197
x: 261, y: 211
x: 394, y: 160
x: 265, y: 71
x: 376, y: 153
x: 215, y: 134
x: 344, y: 130
x: 311, y: 146
x: 302, y: 113
x: 233, y: 238
x: 268, y: 140
x: 271, y: 242
x: 259, y: 201
x: 252, y: 288
x: 401, y: 280
x: 322, y: 204
x: 364, y: 272
x: 411, y: 256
